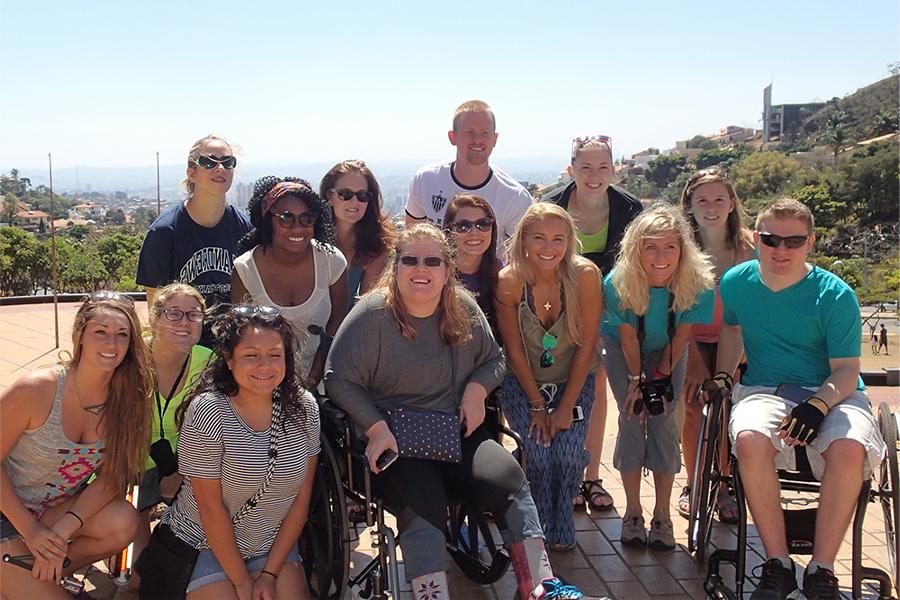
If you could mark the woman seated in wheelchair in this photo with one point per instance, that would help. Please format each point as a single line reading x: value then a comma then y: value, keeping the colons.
x: 247, y: 450
x: 417, y: 351
x: 660, y: 286
x: 548, y: 308
x: 58, y: 427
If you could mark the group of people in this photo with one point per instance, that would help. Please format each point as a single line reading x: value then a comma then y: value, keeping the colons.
x: 484, y: 292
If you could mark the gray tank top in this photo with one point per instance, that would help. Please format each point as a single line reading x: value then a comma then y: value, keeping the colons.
x: 532, y: 337
x: 44, y: 466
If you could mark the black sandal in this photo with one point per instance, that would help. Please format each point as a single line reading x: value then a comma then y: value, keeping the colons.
x: 595, y: 494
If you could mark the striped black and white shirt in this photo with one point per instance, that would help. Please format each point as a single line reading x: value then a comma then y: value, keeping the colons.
x: 215, y: 443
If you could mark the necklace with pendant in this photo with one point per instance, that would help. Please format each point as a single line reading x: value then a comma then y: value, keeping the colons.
x: 94, y: 409
x: 547, y: 306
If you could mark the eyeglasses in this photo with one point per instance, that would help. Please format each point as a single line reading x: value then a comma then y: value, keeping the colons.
x: 107, y: 295
x: 548, y: 343
x: 790, y: 241
x: 287, y: 219
x: 362, y: 195
x: 245, y: 310
x: 211, y: 162
x: 176, y: 314
x: 464, y: 226
x: 432, y: 262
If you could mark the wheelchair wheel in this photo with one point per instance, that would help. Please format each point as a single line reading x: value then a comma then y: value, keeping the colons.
x: 889, y: 490
x: 705, y: 482
x: 324, y: 543
x: 473, y: 545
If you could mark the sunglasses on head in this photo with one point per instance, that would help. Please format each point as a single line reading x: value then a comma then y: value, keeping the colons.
x: 432, y: 262
x: 245, y: 310
x: 287, y: 218
x: 548, y: 343
x: 583, y: 140
x: 176, y: 314
x: 346, y: 194
x: 107, y: 295
x: 790, y: 241
x: 211, y: 162
x: 464, y: 226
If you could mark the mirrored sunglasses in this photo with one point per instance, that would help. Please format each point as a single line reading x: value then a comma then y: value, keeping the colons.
x: 548, y: 343
x: 245, y: 310
x: 107, y: 295
x: 211, y: 162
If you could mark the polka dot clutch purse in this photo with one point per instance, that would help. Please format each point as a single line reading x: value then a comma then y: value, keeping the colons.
x: 426, y: 434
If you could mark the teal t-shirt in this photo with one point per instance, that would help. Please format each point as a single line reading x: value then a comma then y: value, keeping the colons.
x: 790, y: 335
x: 656, y: 322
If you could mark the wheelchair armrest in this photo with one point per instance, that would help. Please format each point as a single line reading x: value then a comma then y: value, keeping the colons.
x: 332, y: 411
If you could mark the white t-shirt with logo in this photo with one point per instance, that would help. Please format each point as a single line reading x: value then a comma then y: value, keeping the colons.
x: 434, y: 185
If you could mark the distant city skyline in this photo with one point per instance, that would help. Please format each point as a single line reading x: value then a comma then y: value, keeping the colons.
x: 109, y: 84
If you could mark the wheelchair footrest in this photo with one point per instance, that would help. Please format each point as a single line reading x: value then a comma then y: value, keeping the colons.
x: 800, y: 530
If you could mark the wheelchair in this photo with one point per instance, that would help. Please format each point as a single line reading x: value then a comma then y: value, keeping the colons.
x: 343, y: 478
x: 799, y: 523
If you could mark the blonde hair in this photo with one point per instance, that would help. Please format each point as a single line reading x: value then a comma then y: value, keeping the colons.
x: 473, y: 106
x: 738, y: 236
x: 455, y: 326
x: 567, y: 268
x: 787, y: 208
x: 126, y: 414
x: 186, y: 183
x: 695, y: 269
x: 166, y: 293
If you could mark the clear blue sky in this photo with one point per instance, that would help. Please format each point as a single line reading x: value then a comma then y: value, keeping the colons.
x: 105, y: 83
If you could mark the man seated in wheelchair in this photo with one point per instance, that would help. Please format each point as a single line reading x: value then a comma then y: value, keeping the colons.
x: 800, y: 328
x: 412, y: 365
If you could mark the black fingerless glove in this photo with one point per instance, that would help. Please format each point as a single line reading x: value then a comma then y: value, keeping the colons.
x: 718, y: 386
x: 805, y: 420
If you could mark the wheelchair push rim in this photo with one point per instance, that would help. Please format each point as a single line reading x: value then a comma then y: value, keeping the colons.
x: 889, y: 489
x: 705, y: 481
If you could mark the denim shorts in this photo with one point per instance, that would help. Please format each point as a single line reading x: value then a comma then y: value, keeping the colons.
x: 207, y: 570
x: 7, y: 531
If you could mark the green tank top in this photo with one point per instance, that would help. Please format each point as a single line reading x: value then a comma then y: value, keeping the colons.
x: 594, y: 242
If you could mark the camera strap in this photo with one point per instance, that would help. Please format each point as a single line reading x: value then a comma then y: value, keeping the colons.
x: 160, y: 409
x: 670, y: 332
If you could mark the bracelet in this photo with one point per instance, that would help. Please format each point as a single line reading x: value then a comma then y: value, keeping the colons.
x: 274, y: 576
x: 634, y: 377
x: 80, y: 520
x: 535, y: 409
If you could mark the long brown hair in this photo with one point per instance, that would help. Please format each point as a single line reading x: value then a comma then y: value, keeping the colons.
x: 125, y: 420
x: 375, y: 234
x: 489, y: 267
x: 455, y: 326
x: 738, y: 237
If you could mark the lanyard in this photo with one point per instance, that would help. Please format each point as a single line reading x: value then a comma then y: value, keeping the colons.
x: 162, y: 409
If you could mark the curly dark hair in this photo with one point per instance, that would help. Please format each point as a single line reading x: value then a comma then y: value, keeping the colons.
x: 375, y: 232
x: 261, y: 234
x: 227, y: 329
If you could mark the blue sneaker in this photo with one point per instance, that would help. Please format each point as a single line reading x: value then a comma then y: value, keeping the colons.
x: 552, y: 588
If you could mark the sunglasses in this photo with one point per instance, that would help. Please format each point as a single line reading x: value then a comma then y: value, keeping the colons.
x: 432, y: 262
x: 287, y: 219
x: 346, y: 194
x: 211, y: 162
x: 790, y: 241
x: 175, y: 314
x: 464, y: 226
x: 548, y: 343
x: 106, y: 295
x: 245, y: 310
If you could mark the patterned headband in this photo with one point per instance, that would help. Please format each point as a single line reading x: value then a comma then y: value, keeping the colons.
x: 279, y: 191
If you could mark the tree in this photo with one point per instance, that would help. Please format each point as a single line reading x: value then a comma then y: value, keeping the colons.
x: 836, y: 130
x: 872, y: 181
x: 664, y: 169
x: 764, y: 174
x: 83, y: 272
x: 10, y: 204
x: 78, y: 232
x: 142, y: 217
x: 885, y: 121
x: 115, y: 216
x: 724, y: 157
x: 640, y: 187
x: 699, y: 141
x: 118, y: 252
x: 18, y: 251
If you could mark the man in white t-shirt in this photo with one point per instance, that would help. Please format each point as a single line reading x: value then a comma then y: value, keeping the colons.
x: 433, y: 186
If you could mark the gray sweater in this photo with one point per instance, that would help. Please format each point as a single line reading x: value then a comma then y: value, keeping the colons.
x: 371, y: 367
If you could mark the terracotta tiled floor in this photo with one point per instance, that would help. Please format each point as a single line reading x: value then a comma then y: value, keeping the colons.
x: 599, y: 565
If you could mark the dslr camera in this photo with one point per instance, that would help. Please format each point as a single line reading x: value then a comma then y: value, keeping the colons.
x: 654, y: 394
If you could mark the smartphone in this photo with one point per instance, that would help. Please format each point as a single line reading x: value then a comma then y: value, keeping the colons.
x: 577, y: 413
x: 386, y: 459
